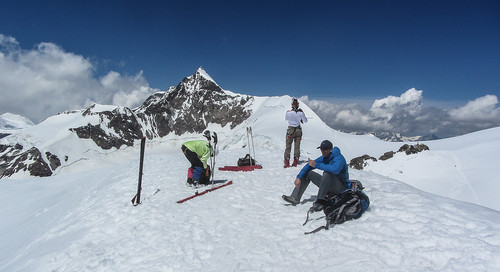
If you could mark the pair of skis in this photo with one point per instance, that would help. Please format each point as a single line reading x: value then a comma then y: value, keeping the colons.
x: 250, y: 136
x: 204, y: 192
x: 246, y: 168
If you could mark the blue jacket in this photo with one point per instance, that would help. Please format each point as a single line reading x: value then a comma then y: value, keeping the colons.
x: 334, y: 164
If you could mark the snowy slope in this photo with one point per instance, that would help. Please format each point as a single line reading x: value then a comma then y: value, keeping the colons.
x: 463, y: 168
x: 54, y: 135
x: 10, y: 122
x: 89, y: 224
x: 82, y: 219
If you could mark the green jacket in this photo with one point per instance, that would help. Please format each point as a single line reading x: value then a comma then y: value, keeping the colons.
x: 201, y: 148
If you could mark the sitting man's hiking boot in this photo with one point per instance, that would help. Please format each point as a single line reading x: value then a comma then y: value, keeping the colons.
x: 317, y: 207
x: 290, y: 200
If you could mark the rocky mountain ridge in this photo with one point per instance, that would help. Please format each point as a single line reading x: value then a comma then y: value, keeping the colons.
x: 190, y: 107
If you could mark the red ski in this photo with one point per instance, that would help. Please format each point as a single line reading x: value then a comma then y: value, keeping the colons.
x: 204, y: 192
x: 240, y: 168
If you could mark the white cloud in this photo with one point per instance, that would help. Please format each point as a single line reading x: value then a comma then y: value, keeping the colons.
x: 46, y: 80
x: 405, y: 114
x: 354, y: 117
x: 10, y: 43
x: 481, y: 109
x: 409, y: 102
x: 135, y: 98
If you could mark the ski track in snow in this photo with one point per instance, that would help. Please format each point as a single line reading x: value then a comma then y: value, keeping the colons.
x: 245, y: 226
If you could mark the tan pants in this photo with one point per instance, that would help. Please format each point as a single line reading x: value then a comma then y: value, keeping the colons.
x: 293, y: 135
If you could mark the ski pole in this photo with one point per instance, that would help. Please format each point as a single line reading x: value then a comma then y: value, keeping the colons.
x: 137, y: 198
x: 248, y: 143
x: 253, y: 146
x: 216, y: 140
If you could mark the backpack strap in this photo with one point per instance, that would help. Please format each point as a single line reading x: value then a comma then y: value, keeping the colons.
x: 316, y: 230
x: 307, y: 218
x: 319, y: 228
x: 341, y: 209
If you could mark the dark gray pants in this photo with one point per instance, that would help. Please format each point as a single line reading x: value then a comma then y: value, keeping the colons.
x: 327, y: 183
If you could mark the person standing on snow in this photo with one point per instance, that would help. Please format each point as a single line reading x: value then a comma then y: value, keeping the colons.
x: 295, y: 117
x: 197, y: 153
x: 335, y: 178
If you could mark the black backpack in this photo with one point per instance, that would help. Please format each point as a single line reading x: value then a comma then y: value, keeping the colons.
x: 205, y: 176
x: 246, y: 161
x: 350, y: 204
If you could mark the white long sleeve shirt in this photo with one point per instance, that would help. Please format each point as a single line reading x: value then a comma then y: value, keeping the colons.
x: 294, y: 118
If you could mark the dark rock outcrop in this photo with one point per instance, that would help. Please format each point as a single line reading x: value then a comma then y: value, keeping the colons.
x: 54, y: 161
x: 413, y: 149
x: 360, y: 162
x: 15, y: 160
x: 115, y: 128
x: 387, y: 155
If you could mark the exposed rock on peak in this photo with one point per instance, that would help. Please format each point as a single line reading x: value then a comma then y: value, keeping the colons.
x: 116, y: 127
x: 190, y: 107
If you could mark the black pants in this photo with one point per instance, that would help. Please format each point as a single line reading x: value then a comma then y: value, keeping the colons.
x: 192, y: 157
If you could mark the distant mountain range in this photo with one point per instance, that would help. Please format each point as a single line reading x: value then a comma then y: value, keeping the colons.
x: 397, y: 137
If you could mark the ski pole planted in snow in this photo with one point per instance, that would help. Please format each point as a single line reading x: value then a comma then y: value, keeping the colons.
x: 137, y: 198
x: 213, y: 161
x: 250, y: 136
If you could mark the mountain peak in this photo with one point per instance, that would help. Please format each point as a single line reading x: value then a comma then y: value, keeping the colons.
x: 199, y: 81
x: 202, y: 73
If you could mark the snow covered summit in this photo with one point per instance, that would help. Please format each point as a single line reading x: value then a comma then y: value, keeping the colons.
x: 202, y: 73
x: 196, y: 103
x: 9, y: 121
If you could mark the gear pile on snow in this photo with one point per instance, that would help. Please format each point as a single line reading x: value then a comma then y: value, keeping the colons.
x: 350, y: 204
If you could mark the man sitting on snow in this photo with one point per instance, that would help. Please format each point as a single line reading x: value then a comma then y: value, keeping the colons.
x: 334, y: 180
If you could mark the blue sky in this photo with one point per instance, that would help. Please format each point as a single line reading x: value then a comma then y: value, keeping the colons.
x: 328, y: 50
x: 316, y: 48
